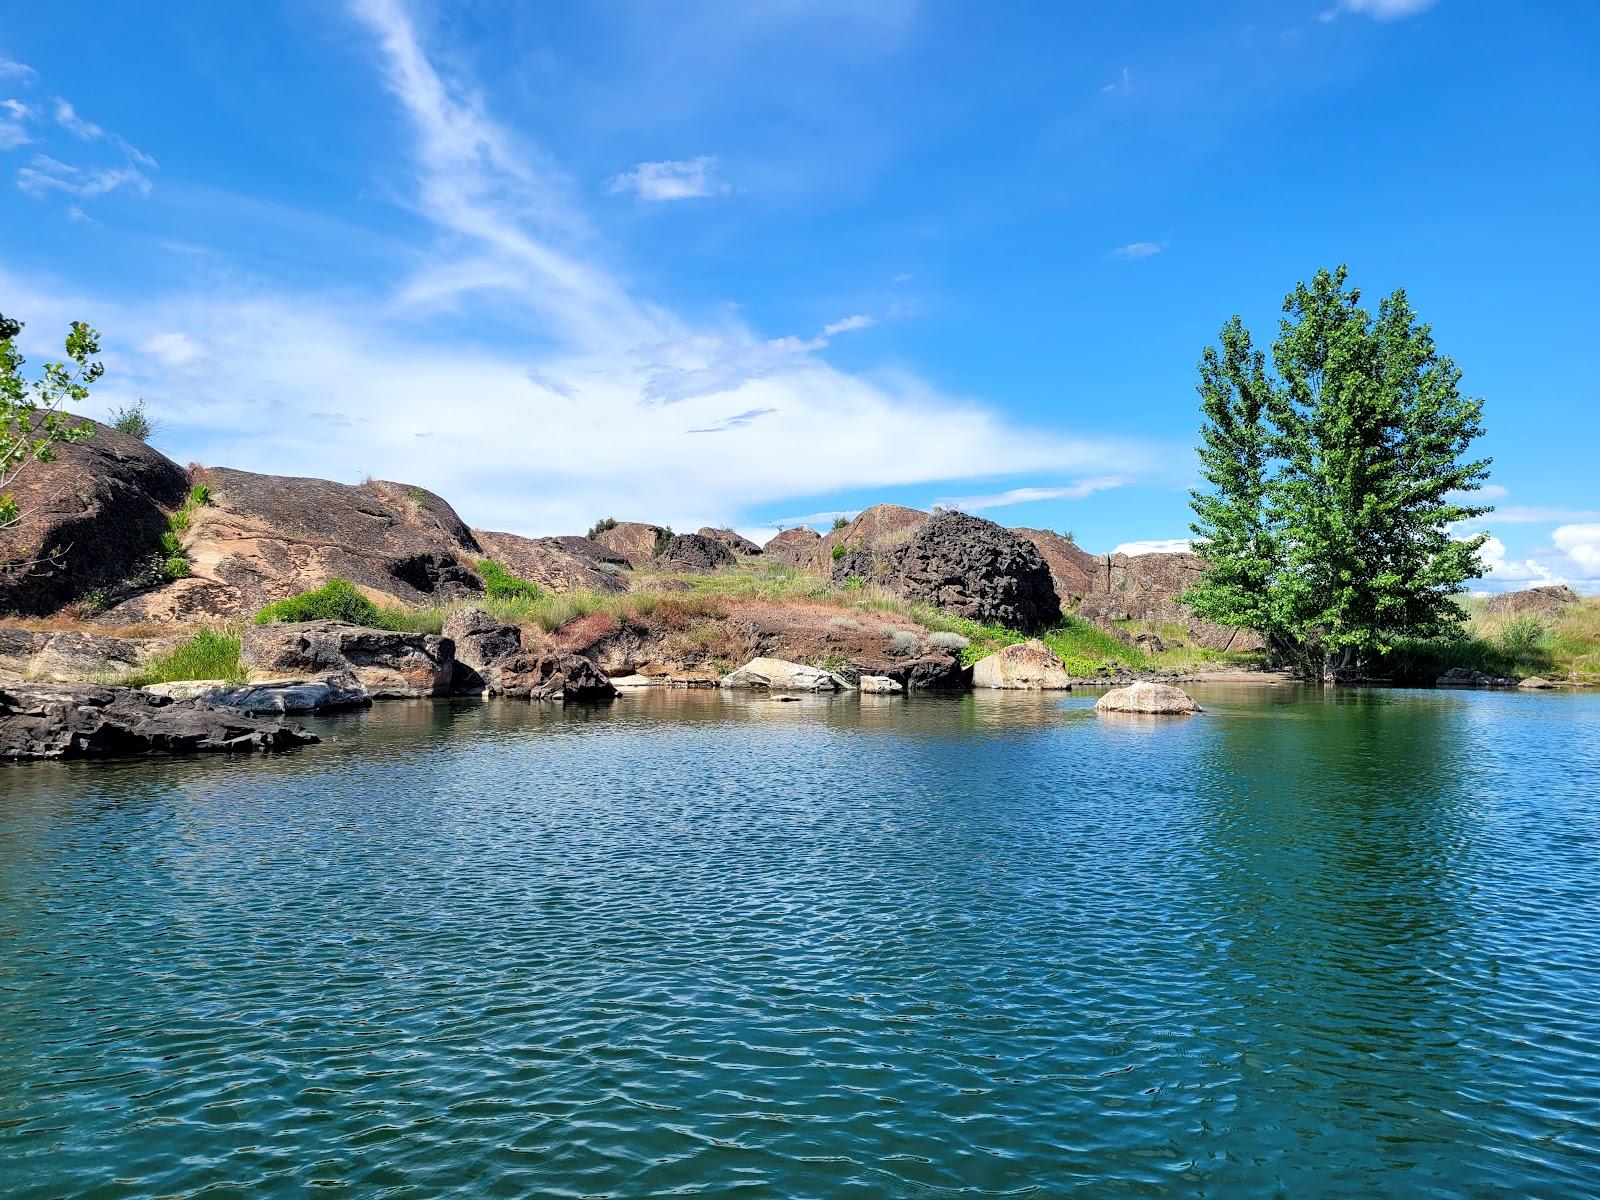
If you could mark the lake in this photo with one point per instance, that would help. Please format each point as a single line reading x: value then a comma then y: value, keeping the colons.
x: 1308, y: 944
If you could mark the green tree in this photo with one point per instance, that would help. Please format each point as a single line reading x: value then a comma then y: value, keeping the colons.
x: 1334, y: 480
x: 31, y: 416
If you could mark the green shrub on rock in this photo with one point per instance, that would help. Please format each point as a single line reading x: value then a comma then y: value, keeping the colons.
x: 336, y: 600
x: 501, y: 584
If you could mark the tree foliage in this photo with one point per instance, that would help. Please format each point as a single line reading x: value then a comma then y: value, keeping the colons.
x: 1334, y: 479
x: 31, y: 416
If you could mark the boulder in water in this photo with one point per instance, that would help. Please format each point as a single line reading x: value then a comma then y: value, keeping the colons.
x: 1024, y: 666
x: 1154, y: 699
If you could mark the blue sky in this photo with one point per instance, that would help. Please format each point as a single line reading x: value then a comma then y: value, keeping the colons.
x: 753, y: 264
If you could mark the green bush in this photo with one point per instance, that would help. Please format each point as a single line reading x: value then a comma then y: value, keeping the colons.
x: 336, y: 600
x: 841, y: 522
x: 839, y: 551
x: 207, y: 655
x: 501, y: 584
x: 601, y: 526
x: 199, y: 496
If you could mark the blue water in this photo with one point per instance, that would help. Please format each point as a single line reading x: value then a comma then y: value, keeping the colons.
x: 1305, y: 945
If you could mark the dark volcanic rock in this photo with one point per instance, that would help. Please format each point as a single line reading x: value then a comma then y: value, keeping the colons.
x: 552, y: 676
x: 482, y: 644
x: 634, y: 540
x: 90, y: 519
x: 797, y: 547
x: 386, y: 664
x: 1467, y: 677
x: 873, y: 544
x: 85, y: 721
x: 979, y: 570
x: 560, y: 564
x: 736, y: 543
x: 693, y: 552
x: 932, y: 672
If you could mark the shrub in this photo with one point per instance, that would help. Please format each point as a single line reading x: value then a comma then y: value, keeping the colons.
x: 948, y: 640
x: 839, y: 551
x: 501, y: 584
x: 841, y: 522
x: 209, y: 655
x: 662, y: 539
x: 336, y: 600
x: 176, y: 567
x: 904, y: 641
x: 199, y: 495
x: 134, y: 420
x: 601, y: 526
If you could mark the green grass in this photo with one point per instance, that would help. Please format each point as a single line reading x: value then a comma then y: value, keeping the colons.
x: 501, y: 584
x: 1565, y: 647
x: 339, y: 600
x: 207, y: 655
x: 174, y: 559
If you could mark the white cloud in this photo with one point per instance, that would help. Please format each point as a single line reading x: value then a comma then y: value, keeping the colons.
x: 855, y: 321
x: 12, y: 135
x: 1032, y: 495
x: 1581, y: 545
x: 1535, y: 514
x: 1155, y: 546
x: 1123, y: 83
x: 46, y: 174
x: 68, y: 118
x: 21, y: 72
x: 1379, y: 10
x: 172, y: 349
x: 1134, y: 251
x: 672, y: 180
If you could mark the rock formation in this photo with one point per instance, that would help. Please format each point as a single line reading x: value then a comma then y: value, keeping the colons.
x: 797, y: 547
x: 45, y: 655
x: 483, y: 644
x: 327, y: 694
x: 871, y: 545
x: 777, y: 675
x: 693, y: 552
x: 1145, y: 588
x: 979, y: 570
x: 633, y: 540
x: 1546, y: 602
x: 1029, y: 666
x: 1151, y: 699
x: 386, y: 664
x: 1071, y: 570
x: 736, y: 543
x: 553, y: 677
x: 85, y: 721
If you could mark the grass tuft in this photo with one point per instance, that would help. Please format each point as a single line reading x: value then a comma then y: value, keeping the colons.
x: 207, y: 655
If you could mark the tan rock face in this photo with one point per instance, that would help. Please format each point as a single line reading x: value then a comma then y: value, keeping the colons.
x: 1071, y: 569
x: 874, y: 540
x: 797, y: 547
x: 1146, y: 587
x: 70, y: 657
x: 777, y: 675
x: 880, y: 685
x: 633, y: 540
x: 90, y: 519
x: 560, y: 564
x: 1025, y: 666
x: 1150, y: 699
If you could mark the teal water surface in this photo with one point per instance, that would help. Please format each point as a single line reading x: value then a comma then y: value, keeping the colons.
x: 1309, y: 944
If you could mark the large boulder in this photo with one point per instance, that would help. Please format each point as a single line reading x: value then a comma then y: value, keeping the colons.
x: 779, y: 675
x: 558, y: 564
x: 1024, y: 666
x: 872, y: 545
x: 483, y: 644
x: 1546, y: 602
x: 66, y: 656
x: 879, y: 685
x: 552, y: 676
x: 934, y: 671
x: 735, y: 542
x: 979, y: 570
x: 270, y: 695
x: 87, y: 721
x: 1071, y: 570
x: 692, y: 552
x: 1150, y: 699
x: 385, y: 663
x: 797, y: 547
x: 633, y: 540
x: 1145, y: 589
x: 90, y: 519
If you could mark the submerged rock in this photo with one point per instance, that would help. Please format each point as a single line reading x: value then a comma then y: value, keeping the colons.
x: 385, y: 663
x: 41, y: 721
x: 779, y: 675
x: 1467, y: 677
x: 880, y: 685
x: 1157, y: 699
x: 1023, y: 666
x: 270, y: 695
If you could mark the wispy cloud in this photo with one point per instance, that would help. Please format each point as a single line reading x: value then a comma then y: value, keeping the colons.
x: 855, y: 321
x: 1134, y: 251
x: 1378, y: 10
x: 1032, y: 495
x: 67, y: 117
x: 1155, y: 546
x: 685, y: 179
x: 736, y: 422
x: 21, y: 72
x: 1122, y: 84
x: 46, y: 174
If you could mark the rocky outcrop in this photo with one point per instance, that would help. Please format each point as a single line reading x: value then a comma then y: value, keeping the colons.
x: 871, y: 546
x: 1071, y: 570
x: 1151, y: 699
x: 40, y: 721
x: 1145, y: 588
x: 736, y: 543
x: 64, y: 656
x: 386, y: 664
x: 797, y: 547
x: 90, y: 519
x: 1535, y: 683
x: 564, y: 677
x: 558, y: 564
x: 1030, y: 666
x: 1547, y: 603
x: 977, y: 569
x: 692, y: 552
x: 483, y: 644
x: 879, y: 685
x: 330, y: 693
x: 778, y: 675
x: 635, y: 541
x: 1466, y: 677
